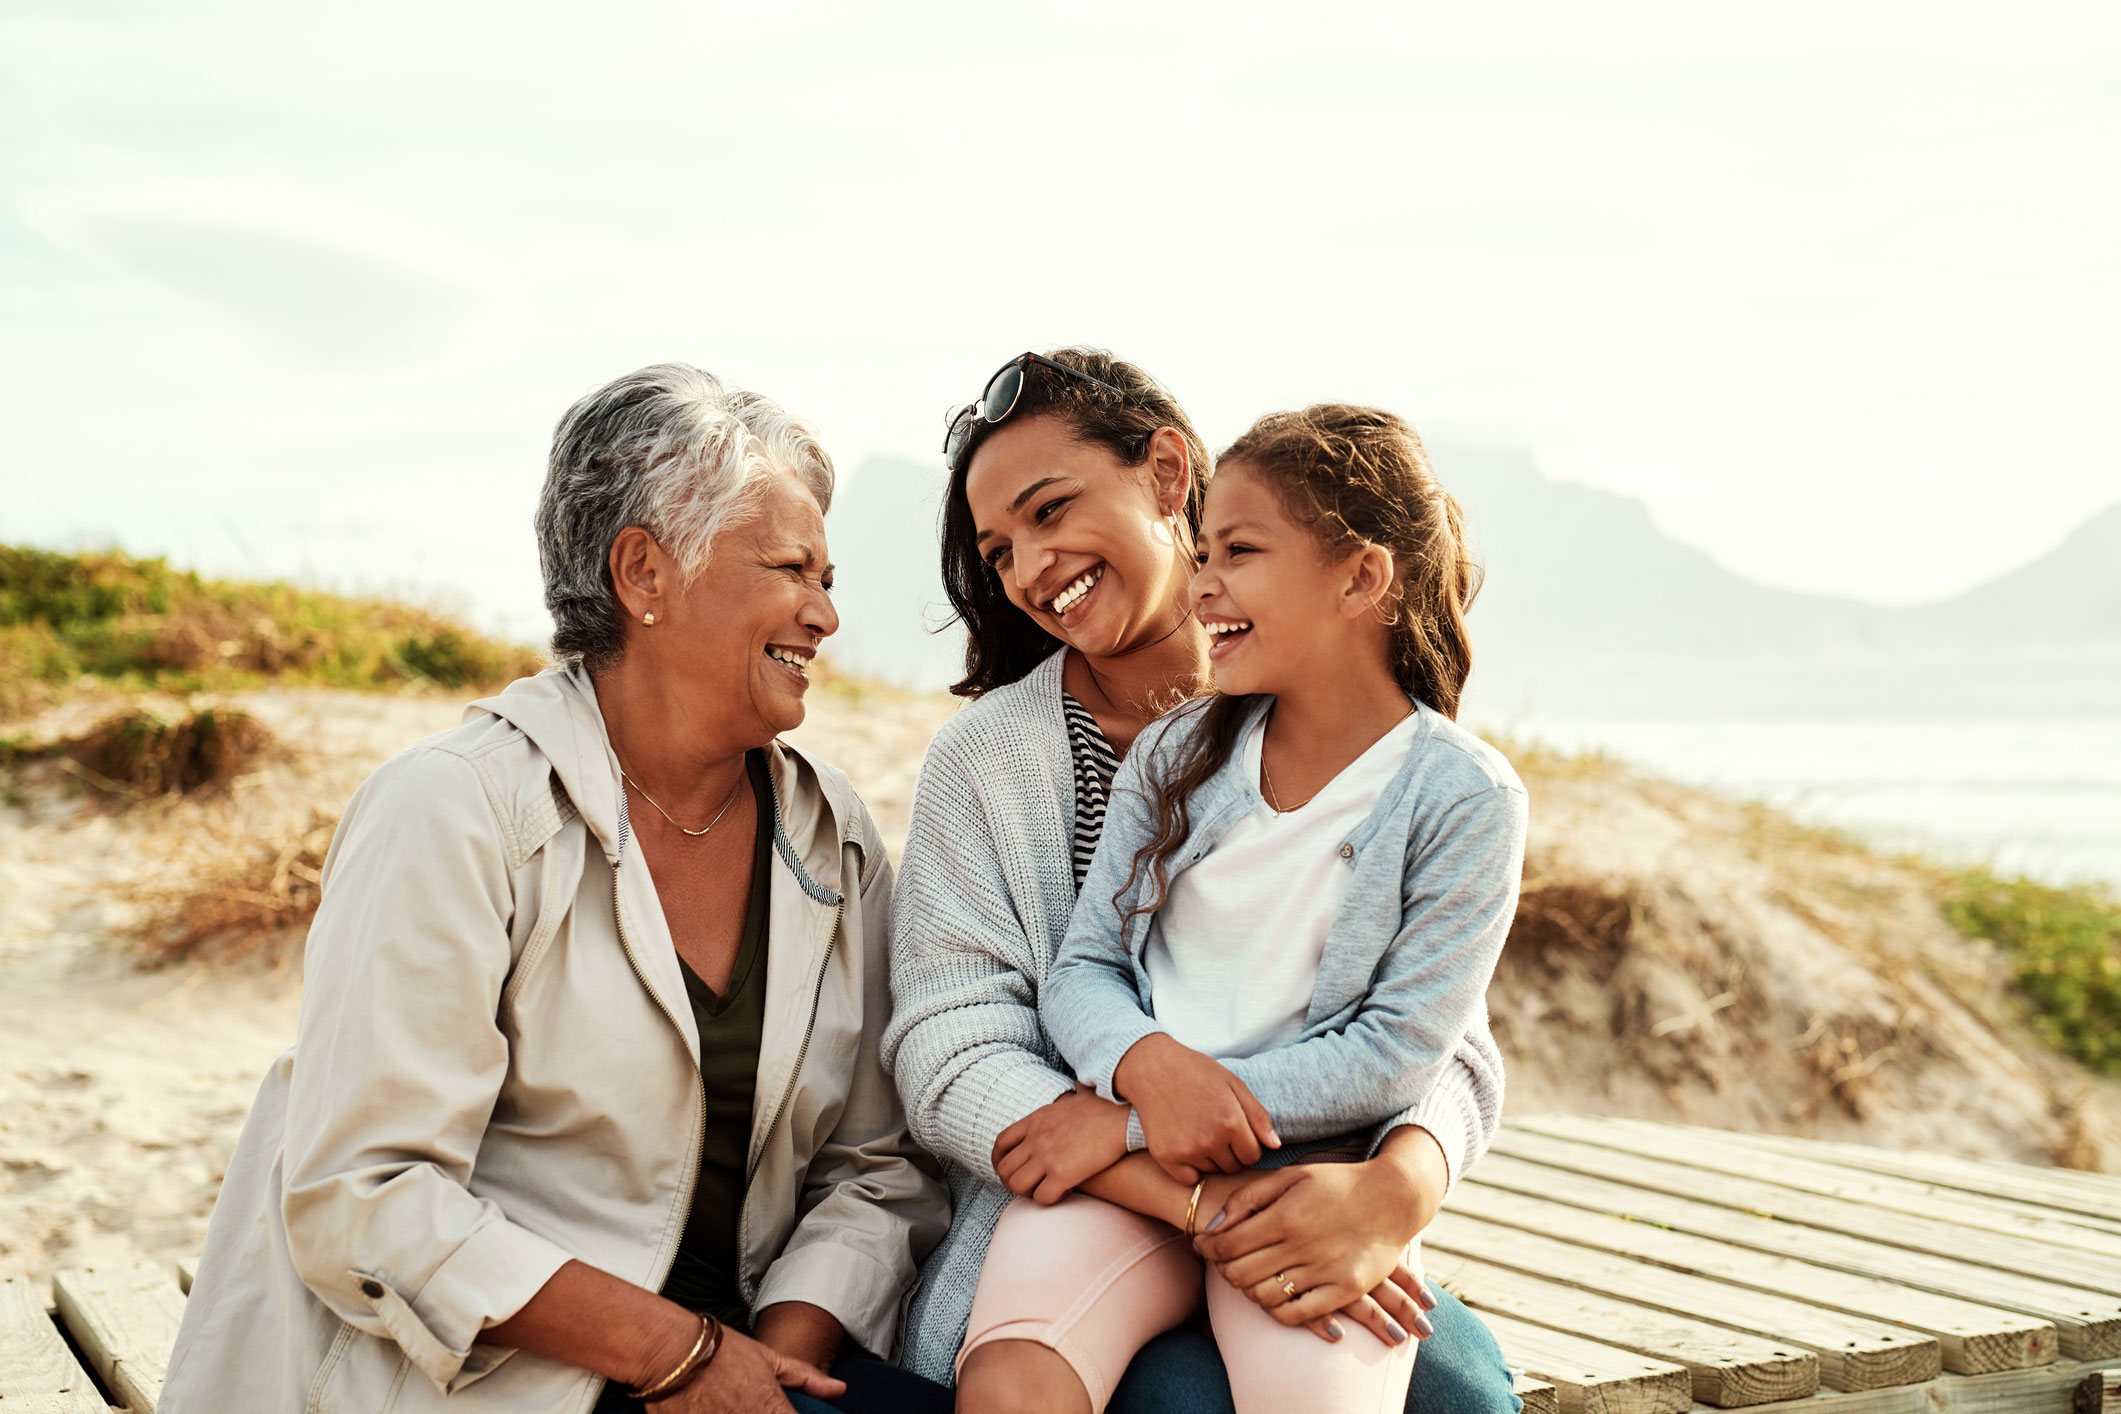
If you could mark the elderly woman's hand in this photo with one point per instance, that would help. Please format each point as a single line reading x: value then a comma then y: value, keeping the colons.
x: 747, y: 1377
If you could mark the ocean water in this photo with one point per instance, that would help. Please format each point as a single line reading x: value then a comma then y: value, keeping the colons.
x: 2016, y: 766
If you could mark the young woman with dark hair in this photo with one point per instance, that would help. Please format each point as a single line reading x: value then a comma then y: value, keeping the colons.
x: 1070, y: 530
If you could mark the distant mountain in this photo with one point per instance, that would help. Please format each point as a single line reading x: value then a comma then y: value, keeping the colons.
x: 1572, y: 572
x: 1578, y: 571
x: 2072, y: 594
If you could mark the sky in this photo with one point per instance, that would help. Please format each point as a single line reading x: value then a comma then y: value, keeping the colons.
x: 301, y: 290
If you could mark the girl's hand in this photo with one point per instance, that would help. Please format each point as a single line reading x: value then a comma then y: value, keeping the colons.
x: 747, y: 1377
x: 1197, y: 1116
x: 1049, y: 1152
x: 1337, y: 1231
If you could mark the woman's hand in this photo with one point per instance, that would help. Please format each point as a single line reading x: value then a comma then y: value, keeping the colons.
x: 1054, y: 1149
x: 1197, y: 1116
x: 1336, y: 1231
x: 746, y: 1377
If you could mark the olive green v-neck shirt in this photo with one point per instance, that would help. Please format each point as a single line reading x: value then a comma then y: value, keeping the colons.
x: 731, y: 1025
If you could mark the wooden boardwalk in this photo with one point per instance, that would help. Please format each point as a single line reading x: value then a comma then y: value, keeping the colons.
x: 1626, y: 1267
x: 1637, y: 1268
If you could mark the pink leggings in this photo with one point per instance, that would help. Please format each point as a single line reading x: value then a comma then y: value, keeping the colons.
x: 1093, y: 1283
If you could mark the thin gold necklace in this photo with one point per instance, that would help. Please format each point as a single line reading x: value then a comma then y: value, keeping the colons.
x: 666, y: 814
x: 1266, y: 782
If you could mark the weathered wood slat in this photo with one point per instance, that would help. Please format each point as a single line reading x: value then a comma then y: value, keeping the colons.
x: 2097, y: 1394
x: 1729, y: 1369
x: 1708, y: 1150
x: 2037, y: 1391
x: 1538, y: 1396
x: 1971, y: 1339
x: 2094, y: 1195
x: 125, y: 1321
x: 1589, y: 1378
x: 1853, y: 1354
x: 2087, y: 1323
x: 38, y: 1374
x: 2001, y: 1251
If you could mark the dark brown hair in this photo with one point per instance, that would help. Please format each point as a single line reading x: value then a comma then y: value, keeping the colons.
x: 1002, y: 642
x: 1353, y: 476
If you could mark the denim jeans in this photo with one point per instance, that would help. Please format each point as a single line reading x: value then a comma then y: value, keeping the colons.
x: 1460, y: 1371
x: 874, y: 1387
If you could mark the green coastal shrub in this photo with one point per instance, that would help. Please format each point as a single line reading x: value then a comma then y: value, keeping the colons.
x: 2065, y: 951
x: 107, y: 617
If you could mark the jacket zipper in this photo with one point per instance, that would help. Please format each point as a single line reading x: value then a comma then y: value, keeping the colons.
x: 665, y: 1259
x: 745, y: 1285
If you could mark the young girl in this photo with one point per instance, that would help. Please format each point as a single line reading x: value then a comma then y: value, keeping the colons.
x: 1289, y: 925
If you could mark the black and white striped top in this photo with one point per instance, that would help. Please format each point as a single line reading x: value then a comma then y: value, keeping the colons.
x: 1095, y: 763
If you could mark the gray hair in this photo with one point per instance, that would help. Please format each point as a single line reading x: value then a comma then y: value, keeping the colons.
x: 674, y: 450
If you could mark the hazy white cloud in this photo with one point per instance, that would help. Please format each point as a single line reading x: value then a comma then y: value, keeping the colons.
x: 320, y: 282
x: 1833, y: 287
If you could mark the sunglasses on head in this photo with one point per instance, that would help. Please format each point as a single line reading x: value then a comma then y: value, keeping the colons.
x: 999, y: 400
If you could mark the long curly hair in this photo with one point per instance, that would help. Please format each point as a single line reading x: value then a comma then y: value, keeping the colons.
x: 1352, y: 476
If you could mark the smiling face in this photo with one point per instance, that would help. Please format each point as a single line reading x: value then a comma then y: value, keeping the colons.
x: 1279, y: 612
x: 1082, y: 542
x: 739, y: 639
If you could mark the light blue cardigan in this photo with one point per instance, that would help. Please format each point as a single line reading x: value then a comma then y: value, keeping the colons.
x: 982, y: 904
x: 1403, y: 981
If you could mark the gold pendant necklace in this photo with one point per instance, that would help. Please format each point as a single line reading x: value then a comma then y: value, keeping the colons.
x: 666, y: 814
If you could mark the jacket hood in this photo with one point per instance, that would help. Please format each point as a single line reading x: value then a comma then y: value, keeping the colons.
x: 557, y: 710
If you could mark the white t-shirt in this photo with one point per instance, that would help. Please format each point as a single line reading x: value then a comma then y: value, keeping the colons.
x: 1234, y: 957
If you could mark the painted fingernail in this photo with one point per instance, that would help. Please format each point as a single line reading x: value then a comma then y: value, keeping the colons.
x: 1216, y: 1221
x: 1424, y: 1327
x: 1334, y: 1329
x: 1425, y: 1299
x: 1394, y: 1329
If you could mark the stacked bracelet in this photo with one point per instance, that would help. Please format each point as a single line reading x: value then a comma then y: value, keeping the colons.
x: 1193, y: 1205
x: 688, y: 1370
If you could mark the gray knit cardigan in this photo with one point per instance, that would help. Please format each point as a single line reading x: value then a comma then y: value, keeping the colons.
x: 981, y: 907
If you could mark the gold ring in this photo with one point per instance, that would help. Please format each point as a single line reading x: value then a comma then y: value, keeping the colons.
x: 1288, y: 1287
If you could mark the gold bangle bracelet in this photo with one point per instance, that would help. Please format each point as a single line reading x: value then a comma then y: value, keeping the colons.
x: 708, y: 1326
x: 1193, y: 1205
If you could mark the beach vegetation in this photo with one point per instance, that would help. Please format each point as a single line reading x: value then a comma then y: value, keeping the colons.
x: 108, y: 619
x: 2064, y: 947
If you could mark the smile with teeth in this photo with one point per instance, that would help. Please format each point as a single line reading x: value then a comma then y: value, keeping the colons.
x: 1219, y: 627
x: 790, y: 658
x: 1071, y: 596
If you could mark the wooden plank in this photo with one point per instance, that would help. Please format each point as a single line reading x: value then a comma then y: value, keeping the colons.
x: 125, y: 1321
x: 1537, y: 1396
x: 2097, y: 1394
x: 2035, y: 1391
x: 1853, y: 1354
x: 2087, y: 1195
x: 2001, y: 1251
x: 38, y: 1374
x: 2087, y: 1323
x: 1711, y: 1150
x: 1971, y: 1339
x: 1589, y: 1378
x: 1729, y: 1369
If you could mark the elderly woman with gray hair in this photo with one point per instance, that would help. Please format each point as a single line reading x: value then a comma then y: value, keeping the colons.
x: 584, y: 1108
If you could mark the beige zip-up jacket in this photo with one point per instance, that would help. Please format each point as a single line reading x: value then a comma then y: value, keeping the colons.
x: 496, y: 1069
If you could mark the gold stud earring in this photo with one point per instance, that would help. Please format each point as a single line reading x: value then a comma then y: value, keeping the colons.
x: 648, y: 619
